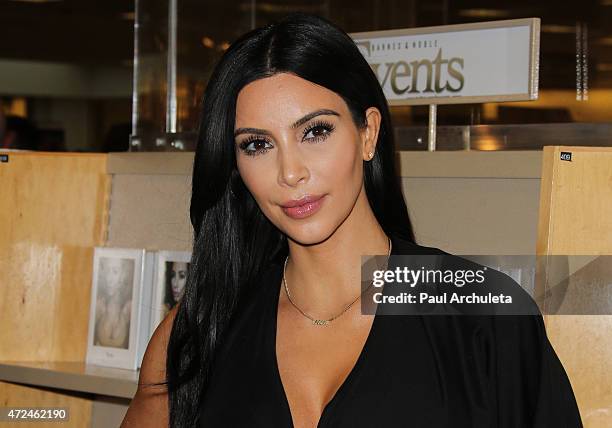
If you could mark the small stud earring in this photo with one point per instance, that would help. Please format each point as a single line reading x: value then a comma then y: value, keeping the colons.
x: 370, y: 155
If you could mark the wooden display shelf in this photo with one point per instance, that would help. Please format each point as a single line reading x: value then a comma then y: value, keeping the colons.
x: 72, y: 376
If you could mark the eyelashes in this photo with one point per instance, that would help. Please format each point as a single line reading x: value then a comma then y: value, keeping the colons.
x: 257, y: 143
x: 325, y: 128
x: 316, y: 132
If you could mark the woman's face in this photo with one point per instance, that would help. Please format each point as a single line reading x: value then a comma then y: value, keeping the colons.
x: 295, y: 139
x: 115, y: 275
x: 178, y: 277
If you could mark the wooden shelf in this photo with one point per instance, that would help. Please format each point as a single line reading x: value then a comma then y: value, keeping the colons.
x: 72, y: 376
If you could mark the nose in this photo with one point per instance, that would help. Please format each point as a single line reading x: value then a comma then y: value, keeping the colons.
x: 292, y: 166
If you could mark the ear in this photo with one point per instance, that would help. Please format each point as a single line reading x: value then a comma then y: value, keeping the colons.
x: 369, y: 133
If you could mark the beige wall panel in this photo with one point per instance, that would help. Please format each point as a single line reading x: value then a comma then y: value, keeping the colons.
x: 489, y: 202
x: 473, y: 202
x: 481, y: 215
x: 150, y: 211
x: 52, y: 213
x: 79, y: 405
x: 471, y: 163
x: 576, y: 219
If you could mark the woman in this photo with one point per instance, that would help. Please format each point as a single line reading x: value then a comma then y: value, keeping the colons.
x: 176, y: 278
x: 114, y: 303
x: 293, y: 180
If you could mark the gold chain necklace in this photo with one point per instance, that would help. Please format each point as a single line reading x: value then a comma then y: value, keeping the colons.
x: 327, y: 321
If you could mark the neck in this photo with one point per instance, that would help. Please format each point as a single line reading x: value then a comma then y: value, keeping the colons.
x: 324, y: 277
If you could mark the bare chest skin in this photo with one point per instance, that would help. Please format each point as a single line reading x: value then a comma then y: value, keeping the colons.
x: 112, y: 327
x: 313, y: 361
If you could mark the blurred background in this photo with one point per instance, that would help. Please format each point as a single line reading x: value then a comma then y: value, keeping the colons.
x: 121, y: 75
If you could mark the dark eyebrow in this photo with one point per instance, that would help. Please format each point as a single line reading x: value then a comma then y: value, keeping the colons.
x: 250, y: 131
x: 296, y: 124
x: 314, y: 114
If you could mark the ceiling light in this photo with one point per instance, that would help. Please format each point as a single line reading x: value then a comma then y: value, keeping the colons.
x: 604, y: 41
x: 208, y: 42
x: 605, y: 67
x: 128, y: 16
x: 484, y: 13
x: 558, y: 29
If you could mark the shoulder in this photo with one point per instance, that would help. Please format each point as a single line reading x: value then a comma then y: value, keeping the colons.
x: 154, y: 361
x: 257, y: 294
x: 401, y: 245
x: 469, y: 287
x: 264, y: 281
x: 149, y: 406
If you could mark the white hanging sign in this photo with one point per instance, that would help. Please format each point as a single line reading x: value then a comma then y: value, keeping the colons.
x: 452, y: 64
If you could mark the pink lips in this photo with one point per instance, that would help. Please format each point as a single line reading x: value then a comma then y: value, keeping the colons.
x: 303, y: 207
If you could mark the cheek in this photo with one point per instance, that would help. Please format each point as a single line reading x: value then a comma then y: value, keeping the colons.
x: 338, y: 164
x: 258, y: 176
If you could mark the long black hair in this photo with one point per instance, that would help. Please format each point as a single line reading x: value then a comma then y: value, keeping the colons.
x: 233, y: 240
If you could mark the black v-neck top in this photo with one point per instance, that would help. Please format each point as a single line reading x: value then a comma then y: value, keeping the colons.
x: 413, y: 371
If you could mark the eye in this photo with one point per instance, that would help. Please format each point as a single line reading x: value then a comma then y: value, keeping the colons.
x: 318, y: 131
x: 253, y: 146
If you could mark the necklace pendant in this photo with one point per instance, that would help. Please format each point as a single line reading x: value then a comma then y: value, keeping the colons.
x: 320, y: 322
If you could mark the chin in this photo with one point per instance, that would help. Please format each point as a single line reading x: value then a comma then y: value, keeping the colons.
x: 308, y: 233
